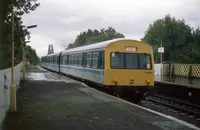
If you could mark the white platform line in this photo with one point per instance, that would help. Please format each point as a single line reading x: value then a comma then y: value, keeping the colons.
x: 152, y: 111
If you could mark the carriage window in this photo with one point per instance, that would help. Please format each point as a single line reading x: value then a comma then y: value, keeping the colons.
x: 101, y: 60
x: 95, y: 59
x: 145, y: 61
x: 56, y: 60
x: 117, y: 60
x: 61, y: 60
x: 84, y: 59
x: 75, y: 58
x: 66, y: 59
x: 70, y: 59
x: 80, y: 59
x: 88, y: 59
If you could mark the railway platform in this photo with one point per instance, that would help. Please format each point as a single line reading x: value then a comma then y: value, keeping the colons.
x: 184, y: 81
x: 50, y: 101
x: 181, y: 87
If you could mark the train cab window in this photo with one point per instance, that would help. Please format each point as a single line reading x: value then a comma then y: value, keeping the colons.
x: 88, y: 59
x: 95, y: 59
x: 145, y: 61
x: 117, y: 60
x: 131, y: 61
x: 80, y: 56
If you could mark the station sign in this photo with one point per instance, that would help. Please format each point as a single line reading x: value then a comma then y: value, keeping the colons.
x: 161, y: 49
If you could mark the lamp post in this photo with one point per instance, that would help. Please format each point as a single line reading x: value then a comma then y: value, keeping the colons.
x: 161, y: 50
x: 23, y: 57
x: 24, y: 52
x: 161, y: 59
x: 13, y: 107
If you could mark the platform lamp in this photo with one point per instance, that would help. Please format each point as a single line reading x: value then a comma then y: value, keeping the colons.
x: 13, y: 106
x: 24, y: 52
x: 23, y: 57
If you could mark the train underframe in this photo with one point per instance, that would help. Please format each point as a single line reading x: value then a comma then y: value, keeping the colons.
x: 131, y: 93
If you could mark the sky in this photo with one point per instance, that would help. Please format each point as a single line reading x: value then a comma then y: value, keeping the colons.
x: 60, y: 21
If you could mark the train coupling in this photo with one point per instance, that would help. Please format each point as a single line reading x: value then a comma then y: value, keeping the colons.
x: 144, y: 95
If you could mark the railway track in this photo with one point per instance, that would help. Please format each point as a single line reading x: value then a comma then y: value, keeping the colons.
x: 176, y: 104
x: 174, y: 107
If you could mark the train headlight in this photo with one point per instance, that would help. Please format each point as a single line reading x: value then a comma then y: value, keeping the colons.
x: 115, y: 80
x: 148, y: 81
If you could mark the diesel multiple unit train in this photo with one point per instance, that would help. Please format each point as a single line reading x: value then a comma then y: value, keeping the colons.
x: 123, y: 66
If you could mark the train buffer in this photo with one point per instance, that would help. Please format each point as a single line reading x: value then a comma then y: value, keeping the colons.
x: 47, y: 100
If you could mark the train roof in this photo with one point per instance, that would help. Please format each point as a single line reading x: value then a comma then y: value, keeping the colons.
x: 56, y: 53
x: 98, y: 45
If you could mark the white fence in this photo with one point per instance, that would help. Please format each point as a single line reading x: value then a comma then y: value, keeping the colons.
x: 5, y: 83
x: 157, y: 69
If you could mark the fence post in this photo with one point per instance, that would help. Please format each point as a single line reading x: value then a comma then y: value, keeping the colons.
x: 190, y: 72
x: 169, y: 70
x: 172, y: 71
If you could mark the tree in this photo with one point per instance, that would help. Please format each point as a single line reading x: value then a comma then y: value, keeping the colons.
x: 21, y: 7
x: 31, y: 55
x: 175, y: 37
x: 94, y: 36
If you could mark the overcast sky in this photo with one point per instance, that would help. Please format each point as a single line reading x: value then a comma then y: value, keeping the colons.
x: 60, y: 21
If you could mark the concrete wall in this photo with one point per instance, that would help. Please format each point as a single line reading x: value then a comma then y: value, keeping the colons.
x: 5, y: 83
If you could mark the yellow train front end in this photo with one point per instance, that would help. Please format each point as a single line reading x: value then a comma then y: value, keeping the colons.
x: 129, y: 68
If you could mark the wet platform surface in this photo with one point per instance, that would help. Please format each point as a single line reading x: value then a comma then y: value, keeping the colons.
x: 49, y: 101
x: 184, y: 81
